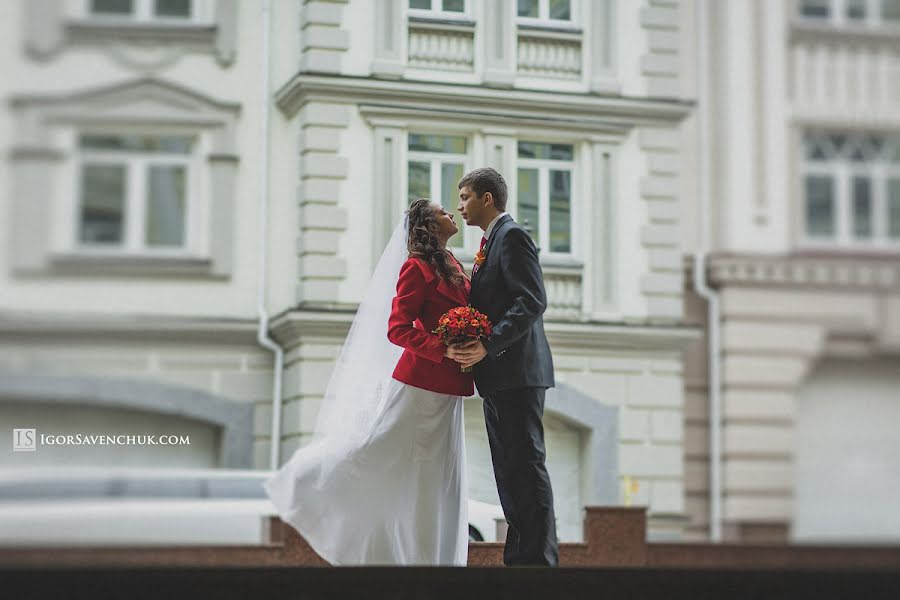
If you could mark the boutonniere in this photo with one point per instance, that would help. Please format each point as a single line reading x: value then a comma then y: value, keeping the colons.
x: 479, y: 258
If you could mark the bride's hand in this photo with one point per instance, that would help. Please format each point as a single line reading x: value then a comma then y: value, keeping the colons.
x: 471, y: 353
x: 461, y: 352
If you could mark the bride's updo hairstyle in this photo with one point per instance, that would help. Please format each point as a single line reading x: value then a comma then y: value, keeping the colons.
x: 423, y: 241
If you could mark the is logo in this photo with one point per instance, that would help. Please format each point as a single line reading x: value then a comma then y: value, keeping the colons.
x: 24, y: 440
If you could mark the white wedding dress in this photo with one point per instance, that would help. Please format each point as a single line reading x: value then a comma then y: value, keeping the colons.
x: 383, y: 481
x: 400, y: 498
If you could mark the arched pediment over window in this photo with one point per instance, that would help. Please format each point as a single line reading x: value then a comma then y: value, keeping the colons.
x: 51, y: 191
x: 234, y: 420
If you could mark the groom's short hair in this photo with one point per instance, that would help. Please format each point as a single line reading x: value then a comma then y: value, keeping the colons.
x: 484, y: 180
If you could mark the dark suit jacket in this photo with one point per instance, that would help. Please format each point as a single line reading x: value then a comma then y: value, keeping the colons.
x: 509, y: 288
x: 422, y: 299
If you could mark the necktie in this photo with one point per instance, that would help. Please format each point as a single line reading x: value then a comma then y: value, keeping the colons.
x: 480, y: 248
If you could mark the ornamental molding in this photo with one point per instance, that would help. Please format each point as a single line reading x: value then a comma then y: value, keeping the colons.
x: 808, y: 270
x: 465, y: 120
x: 464, y: 100
x: 290, y: 329
x: 826, y: 33
x: 19, y: 324
x: 140, y: 101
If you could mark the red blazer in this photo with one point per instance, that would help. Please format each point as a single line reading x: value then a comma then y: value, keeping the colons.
x: 422, y: 298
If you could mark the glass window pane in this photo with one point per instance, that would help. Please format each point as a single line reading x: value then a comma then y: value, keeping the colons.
x: 454, y: 5
x: 857, y: 150
x: 112, y: 7
x: 561, y: 152
x: 173, y: 8
x: 529, y: 150
x: 560, y: 9
x: 815, y: 148
x: 546, y: 151
x: 528, y: 8
x: 819, y: 9
x: 890, y: 10
x: 453, y: 144
x: 876, y: 144
x: 856, y: 9
x: 893, y: 195
x: 862, y: 207
x: 419, y: 180
x: 528, y: 197
x: 420, y: 4
x: 560, y: 211
x: 102, y: 204
x: 839, y: 142
x: 137, y: 143
x: 451, y: 173
x: 166, y: 195
x: 819, y: 206
x: 891, y: 149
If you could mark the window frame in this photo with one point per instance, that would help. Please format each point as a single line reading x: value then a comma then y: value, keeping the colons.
x: 544, y: 166
x: 435, y: 160
x: 543, y: 19
x: 437, y: 12
x: 135, y: 203
x: 842, y: 171
x: 837, y: 16
x: 201, y: 14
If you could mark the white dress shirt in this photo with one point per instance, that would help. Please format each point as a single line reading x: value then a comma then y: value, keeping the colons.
x: 490, y: 228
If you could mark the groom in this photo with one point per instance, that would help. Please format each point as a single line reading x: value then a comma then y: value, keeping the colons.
x: 513, y: 367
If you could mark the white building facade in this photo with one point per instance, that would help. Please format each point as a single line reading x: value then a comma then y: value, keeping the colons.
x: 804, y: 113
x: 138, y: 150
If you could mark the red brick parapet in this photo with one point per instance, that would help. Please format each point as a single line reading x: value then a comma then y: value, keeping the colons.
x: 614, y: 536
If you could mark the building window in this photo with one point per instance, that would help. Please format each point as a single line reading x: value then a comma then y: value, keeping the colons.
x: 545, y: 12
x: 143, y: 11
x: 453, y: 9
x: 867, y: 13
x: 134, y: 192
x: 851, y: 185
x: 545, y: 198
x: 435, y: 165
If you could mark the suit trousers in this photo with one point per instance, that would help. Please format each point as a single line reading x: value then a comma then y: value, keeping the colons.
x: 516, y: 434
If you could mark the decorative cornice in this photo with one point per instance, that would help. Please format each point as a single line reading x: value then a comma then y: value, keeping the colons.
x: 123, y: 265
x: 127, y: 327
x: 92, y: 31
x: 36, y: 153
x: 804, y: 269
x: 805, y: 116
x: 462, y: 25
x: 144, y: 100
x: 466, y: 100
x: 610, y: 336
x: 566, y: 34
x: 803, y: 31
x: 140, y: 88
x: 291, y: 327
x: 378, y: 114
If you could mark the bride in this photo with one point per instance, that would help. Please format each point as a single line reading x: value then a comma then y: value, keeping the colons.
x: 384, y: 479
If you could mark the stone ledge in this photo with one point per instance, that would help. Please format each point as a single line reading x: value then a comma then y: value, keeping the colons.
x: 615, y: 538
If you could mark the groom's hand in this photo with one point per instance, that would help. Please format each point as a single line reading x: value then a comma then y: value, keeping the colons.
x: 469, y: 353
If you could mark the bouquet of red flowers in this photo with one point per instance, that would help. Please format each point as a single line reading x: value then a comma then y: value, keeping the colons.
x: 461, y: 324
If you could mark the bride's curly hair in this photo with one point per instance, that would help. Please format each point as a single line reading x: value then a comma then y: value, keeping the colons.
x: 423, y: 242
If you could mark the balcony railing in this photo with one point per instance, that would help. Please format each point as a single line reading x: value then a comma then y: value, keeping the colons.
x: 441, y: 46
x: 844, y: 73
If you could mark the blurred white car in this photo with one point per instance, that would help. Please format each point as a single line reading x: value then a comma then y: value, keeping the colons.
x: 127, y: 506
x: 483, y: 521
